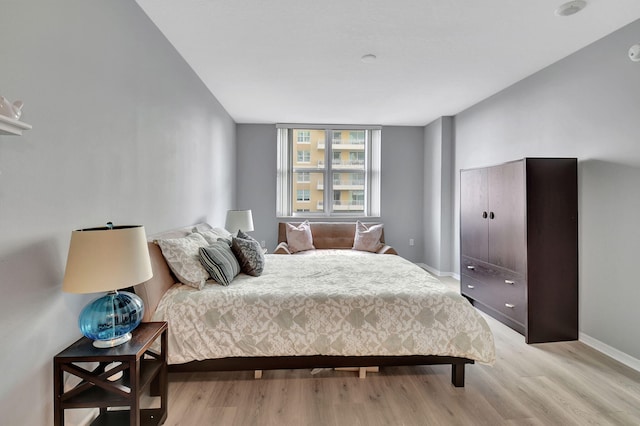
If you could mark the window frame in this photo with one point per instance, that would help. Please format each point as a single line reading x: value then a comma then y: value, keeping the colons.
x: 370, y: 171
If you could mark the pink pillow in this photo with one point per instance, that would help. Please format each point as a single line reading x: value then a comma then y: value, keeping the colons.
x: 299, y: 237
x: 368, y: 238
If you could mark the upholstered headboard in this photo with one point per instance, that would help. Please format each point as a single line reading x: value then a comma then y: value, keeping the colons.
x: 152, y: 291
x: 328, y: 235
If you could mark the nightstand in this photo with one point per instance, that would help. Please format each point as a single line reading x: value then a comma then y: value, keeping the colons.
x: 139, y: 368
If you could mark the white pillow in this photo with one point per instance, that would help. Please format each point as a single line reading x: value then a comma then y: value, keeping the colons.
x: 367, y: 238
x: 215, y: 234
x: 299, y: 237
x: 183, y: 257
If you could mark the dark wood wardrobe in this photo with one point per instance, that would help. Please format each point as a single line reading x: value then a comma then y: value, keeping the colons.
x: 519, y: 245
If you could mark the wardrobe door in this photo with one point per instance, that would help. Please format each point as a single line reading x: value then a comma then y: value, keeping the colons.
x: 507, y: 228
x: 474, y: 214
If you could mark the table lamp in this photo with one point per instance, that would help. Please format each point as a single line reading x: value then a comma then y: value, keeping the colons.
x: 108, y: 259
x: 239, y: 220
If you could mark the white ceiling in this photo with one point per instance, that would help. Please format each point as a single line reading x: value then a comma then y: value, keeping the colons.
x: 298, y: 61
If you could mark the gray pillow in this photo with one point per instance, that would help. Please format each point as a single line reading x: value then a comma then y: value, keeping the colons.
x: 249, y: 254
x: 220, y: 262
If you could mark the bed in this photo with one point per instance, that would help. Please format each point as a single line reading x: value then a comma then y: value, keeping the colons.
x: 336, y: 309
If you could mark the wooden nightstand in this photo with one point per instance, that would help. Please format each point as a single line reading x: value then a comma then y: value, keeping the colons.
x: 139, y: 366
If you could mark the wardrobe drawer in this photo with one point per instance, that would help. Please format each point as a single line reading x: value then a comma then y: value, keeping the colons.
x: 498, y: 288
x: 475, y: 289
x: 475, y: 269
x: 516, y: 309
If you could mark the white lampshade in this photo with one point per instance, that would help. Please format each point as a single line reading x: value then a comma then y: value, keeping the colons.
x: 239, y: 220
x: 105, y: 259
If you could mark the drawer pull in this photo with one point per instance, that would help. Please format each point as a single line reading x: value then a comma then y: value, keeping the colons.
x: 510, y: 305
x: 471, y: 286
x: 471, y: 267
x: 509, y: 282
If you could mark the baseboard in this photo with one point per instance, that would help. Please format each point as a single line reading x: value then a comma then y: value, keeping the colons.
x: 614, y: 353
x: 438, y: 273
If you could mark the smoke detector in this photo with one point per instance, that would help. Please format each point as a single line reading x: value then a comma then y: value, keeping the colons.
x: 571, y: 8
x: 634, y: 53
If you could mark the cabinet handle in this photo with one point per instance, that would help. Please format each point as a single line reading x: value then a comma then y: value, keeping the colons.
x: 509, y: 282
x: 491, y: 215
x: 484, y: 215
x: 471, y: 267
x: 510, y: 305
x: 471, y: 286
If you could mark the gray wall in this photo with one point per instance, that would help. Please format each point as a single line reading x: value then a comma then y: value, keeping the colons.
x: 256, y: 179
x: 438, y: 195
x: 123, y: 130
x: 402, y: 181
x: 585, y: 106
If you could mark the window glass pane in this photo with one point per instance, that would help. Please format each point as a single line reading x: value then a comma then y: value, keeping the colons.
x: 348, y: 192
x: 356, y: 137
x: 337, y: 158
x: 356, y: 160
x: 308, y: 148
x: 308, y: 190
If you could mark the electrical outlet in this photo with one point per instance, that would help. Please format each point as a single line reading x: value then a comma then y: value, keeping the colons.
x: 263, y: 243
x: 411, y: 242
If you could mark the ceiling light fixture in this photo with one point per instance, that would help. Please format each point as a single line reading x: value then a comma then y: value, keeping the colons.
x: 369, y: 58
x: 571, y: 8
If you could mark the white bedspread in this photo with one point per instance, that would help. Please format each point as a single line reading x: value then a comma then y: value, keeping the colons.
x: 330, y: 304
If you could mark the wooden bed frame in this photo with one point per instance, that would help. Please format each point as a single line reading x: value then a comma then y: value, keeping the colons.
x: 152, y: 291
x: 324, y: 361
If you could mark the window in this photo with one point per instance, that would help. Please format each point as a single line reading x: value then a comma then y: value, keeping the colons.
x: 336, y: 137
x: 303, y: 195
x: 337, y: 179
x: 356, y: 137
x: 337, y: 157
x: 304, y: 136
x: 304, y: 156
x: 356, y: 158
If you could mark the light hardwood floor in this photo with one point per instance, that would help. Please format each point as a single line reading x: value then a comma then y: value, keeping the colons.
x: 564, y: 383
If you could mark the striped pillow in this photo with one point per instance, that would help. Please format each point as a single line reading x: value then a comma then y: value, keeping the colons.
x: 219, y: 261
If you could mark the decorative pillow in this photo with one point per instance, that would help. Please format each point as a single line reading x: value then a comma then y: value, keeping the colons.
x: 220, y: 262
x: 249, y: 254
x: 183, y: 257
x: 282, y: 248
x: 215, y: 234
x: 244, y: 235
x: 299, y: 237
x: 368, y: 238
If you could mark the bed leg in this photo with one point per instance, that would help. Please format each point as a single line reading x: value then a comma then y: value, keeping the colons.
x: 362, y: 371
x: 457, y: 375
x: 257, y: 374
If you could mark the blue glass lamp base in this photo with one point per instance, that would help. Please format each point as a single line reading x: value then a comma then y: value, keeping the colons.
x: 112, y: 342
x: 110, y: 319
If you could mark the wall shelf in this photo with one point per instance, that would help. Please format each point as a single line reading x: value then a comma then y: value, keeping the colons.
x: 9, y: 126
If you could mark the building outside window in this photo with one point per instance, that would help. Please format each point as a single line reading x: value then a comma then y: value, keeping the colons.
x: 337, y: 179
x: 304, y: 156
